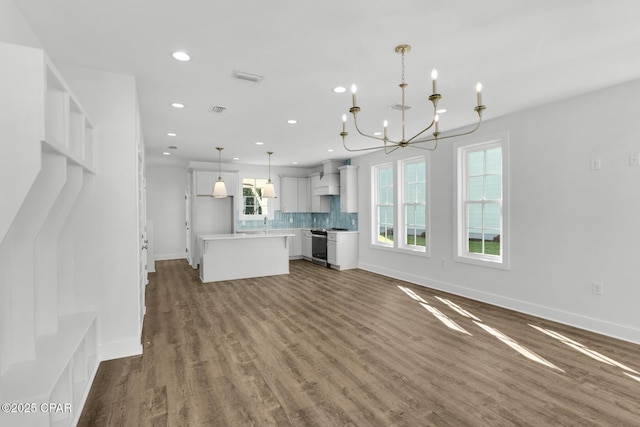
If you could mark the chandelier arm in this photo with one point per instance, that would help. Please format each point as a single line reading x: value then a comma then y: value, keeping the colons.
x: 435, y: 146
x: 387, y: 151
x: 451, y: 136
x: 344, y: 144
x: 355, y: 123
x: 421, y: 132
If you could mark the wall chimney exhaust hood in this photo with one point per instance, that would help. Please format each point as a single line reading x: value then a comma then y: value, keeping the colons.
x: 329, y: 184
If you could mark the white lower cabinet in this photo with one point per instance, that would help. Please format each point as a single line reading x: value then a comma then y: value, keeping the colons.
x: 295, y: 250
x: 342, y: 249
x: 306, y: 244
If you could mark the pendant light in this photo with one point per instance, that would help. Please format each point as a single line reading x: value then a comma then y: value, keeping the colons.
x: 269, y: 191
x: 219, y: 189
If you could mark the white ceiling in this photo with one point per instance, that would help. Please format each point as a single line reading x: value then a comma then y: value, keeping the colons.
x: 525, y: 53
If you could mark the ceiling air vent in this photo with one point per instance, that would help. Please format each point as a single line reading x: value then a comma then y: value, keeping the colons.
x: 217, y: 109
x: 251, y: 77
x: 398, y: 107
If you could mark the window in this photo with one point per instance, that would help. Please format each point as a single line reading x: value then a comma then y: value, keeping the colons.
x: 253, y: 205
x: 383, y: 205
x: 399, y: 218
x: 414, y: 204
x: 482, y: 203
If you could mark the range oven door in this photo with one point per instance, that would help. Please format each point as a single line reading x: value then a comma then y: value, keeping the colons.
x: 319, y: 247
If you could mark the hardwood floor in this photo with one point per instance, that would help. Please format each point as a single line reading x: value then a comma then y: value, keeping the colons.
x: 321, y: 348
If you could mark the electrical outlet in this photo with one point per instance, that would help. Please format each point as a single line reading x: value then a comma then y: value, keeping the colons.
x: 595, y: 165
x: 596, y: 288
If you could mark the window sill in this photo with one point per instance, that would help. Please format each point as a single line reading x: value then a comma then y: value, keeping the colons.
x: 497, y: 264
x: 404, y: 251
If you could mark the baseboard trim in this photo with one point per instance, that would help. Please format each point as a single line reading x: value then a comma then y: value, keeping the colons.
x: 165, y: 257
x: 613, y: 330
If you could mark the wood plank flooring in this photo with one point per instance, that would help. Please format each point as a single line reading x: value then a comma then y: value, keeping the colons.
x: 319, y: 347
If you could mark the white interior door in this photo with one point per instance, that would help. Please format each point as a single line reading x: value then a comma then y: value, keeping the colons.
x: 187, y: 224
x: 143, y: 242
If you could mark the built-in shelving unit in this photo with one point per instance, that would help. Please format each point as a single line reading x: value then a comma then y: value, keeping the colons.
x: 48, y: 340
x: 67, y: 128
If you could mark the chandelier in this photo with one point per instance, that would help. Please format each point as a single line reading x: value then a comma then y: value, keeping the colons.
x: 390, y: 145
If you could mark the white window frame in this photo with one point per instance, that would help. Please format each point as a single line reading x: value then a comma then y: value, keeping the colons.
x: 267, y: 202
x: 375, y: 220
x: 403, y: 204
x: 461, y: 174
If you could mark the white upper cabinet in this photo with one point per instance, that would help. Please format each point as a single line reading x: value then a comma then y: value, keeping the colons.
x: 294, y: 194
x: 349, y: 189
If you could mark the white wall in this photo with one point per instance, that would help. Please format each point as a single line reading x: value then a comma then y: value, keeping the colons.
x: 13, y: 27
x: 107, y: 229
x: 166, y: 186
x: 569, y: 226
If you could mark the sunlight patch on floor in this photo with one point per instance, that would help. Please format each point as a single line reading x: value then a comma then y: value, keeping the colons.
x: 492, y: 331
x: 583, y: 349
x: 458, y: 309
x: 412, y: 294
x: 632, y: 376
x: 444, y: 319
x: 516, y: 346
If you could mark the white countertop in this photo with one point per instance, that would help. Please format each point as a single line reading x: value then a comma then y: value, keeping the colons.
x: 242, y: 236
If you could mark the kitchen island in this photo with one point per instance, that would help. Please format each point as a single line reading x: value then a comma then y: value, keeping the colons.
x: 241, y: 256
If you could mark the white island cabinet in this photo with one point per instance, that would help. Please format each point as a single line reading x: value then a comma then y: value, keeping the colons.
x: 242, y: 256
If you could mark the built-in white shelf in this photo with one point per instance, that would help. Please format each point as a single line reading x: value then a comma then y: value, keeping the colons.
x: 64, y: 368
x: 67, y: 129
x: 49, y: 350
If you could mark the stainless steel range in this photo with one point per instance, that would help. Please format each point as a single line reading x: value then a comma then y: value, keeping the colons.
x: 319, y: 246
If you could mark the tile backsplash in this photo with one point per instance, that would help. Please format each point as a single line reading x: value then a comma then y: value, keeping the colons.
x: 333, y: 219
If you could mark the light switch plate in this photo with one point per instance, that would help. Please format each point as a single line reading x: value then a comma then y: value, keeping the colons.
x: 596, y: 164
x: 634, y: 159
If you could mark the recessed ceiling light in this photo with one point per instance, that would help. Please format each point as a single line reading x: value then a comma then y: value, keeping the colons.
x: 181, y: 56
x: 171, y: 134
x: 377, y: 133
x: 294, y: 163
x: 339, y: 89
x: 259, y: 143
x: 292, y: 121
x: 236, y: 158
x: 166, y: 153
x: 441, y: 110
x: 177, y: 105
x: 252, y: 77
x: 330, y: 150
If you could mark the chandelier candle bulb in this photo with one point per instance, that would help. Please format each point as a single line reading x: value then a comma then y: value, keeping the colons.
x: 353, y: 93
x: 385, y: 124
x: 434, y: 80
x: 344, y: 123
x: 479, y: 90
x: 435, y: 119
